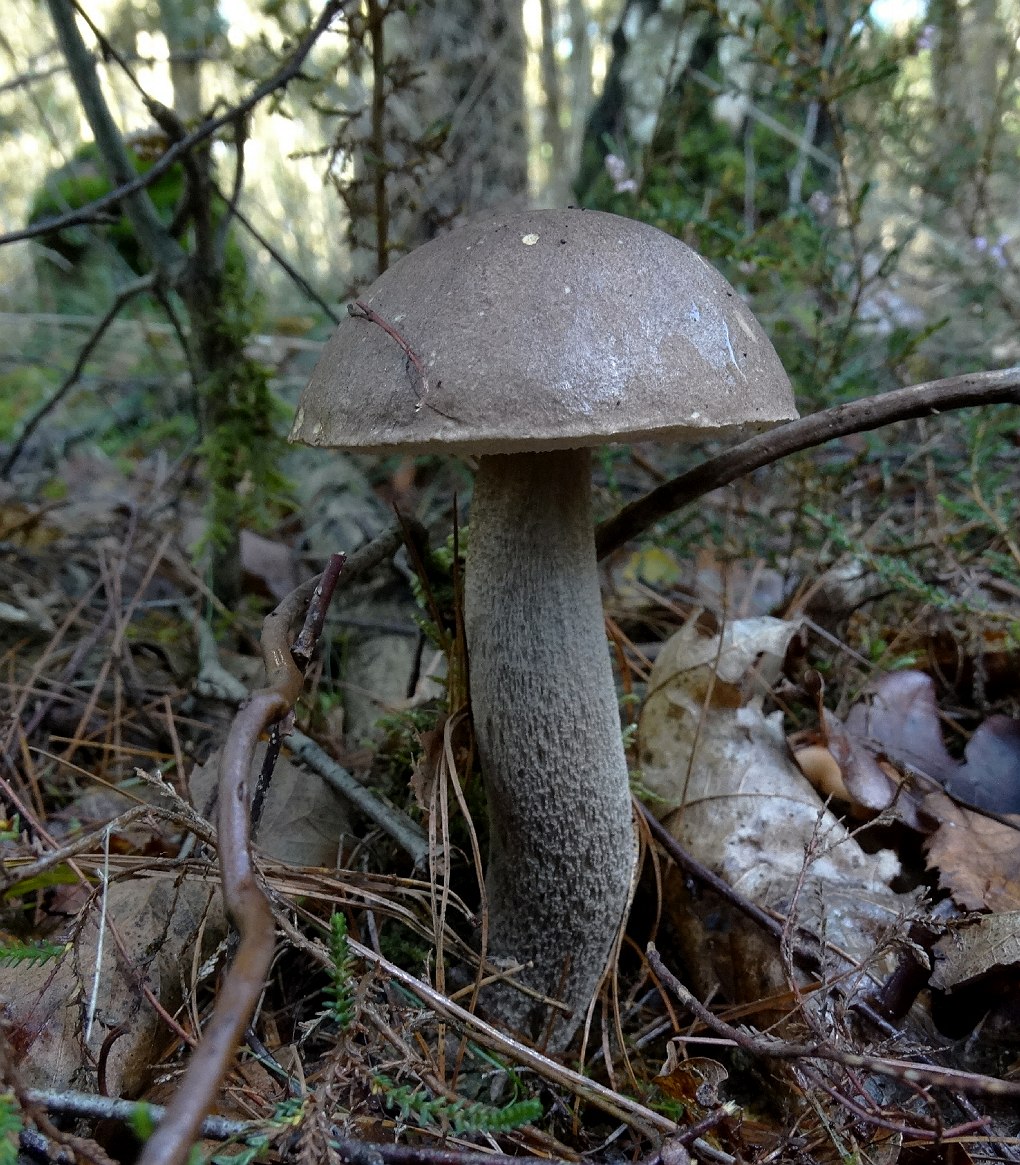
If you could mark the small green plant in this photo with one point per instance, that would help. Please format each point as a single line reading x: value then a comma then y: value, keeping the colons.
x: 13, y: 954
x: 253, y: 1149
x: 141, y: 1121
x: 461, y: 1116
x: 11, y: 1124
x: 340, y: 992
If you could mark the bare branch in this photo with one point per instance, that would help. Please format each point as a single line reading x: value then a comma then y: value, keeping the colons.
x: 859, y: 416
x: 123, y: 296
x: 771, y: 1047
x: 157, y: 242
x: 243, y: 896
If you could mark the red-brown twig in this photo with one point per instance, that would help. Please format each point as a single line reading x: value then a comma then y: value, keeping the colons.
x: 242, y: 894
x: 419, y: 381
x: 859, y: 416
x: 360, y: 310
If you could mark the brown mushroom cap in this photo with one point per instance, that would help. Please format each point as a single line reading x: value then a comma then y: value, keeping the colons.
x: 548, y: 329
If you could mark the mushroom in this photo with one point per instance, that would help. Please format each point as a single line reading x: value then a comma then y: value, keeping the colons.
x: 525, y: 340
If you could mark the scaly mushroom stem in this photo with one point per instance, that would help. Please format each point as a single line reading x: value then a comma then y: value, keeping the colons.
x: 546, y: 718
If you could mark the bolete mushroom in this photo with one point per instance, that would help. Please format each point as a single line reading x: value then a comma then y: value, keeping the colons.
x: 525, y: 340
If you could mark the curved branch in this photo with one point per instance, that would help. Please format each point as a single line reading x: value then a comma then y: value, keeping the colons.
x: 244, y: 898
x: 859, y: 416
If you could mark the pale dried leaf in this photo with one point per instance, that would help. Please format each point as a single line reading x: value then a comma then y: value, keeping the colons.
x: 727, y: 788
x: 976, y: 946
x: 303, y: 820
x: 159, y: 919
x: 269, y: 561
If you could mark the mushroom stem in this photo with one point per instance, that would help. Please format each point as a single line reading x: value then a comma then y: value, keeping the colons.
x: 546, y: 717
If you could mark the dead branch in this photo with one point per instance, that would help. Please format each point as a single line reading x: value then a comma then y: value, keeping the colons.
x: 242, y: 894
x: 70, y: 1103
x: 71, y: 379
x: 906, y: 1071
x: 859, y: 416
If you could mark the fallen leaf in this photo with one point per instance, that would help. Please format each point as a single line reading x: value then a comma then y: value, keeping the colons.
x: 693, y: 1080
x: 270, y: 562
x: 722, y: 780
x: 977, y: 857
x: 899, y: 719
x: 159, y: 919
x: 975, y: 946
x: 303, y: 820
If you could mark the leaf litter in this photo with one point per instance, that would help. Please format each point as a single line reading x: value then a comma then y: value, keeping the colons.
x: 712, y: 758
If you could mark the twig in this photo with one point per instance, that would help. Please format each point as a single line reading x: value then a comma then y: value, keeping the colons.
x: 85, y: 1104
x: 859, y: 416
x: 217, y: 1128
x: 243, y: 896
x: 906, y: 1071
x: 214, y: 680
x: 123, y: 296
x: 415, y: 365
x: 420, y: 382
x: 316, y: 595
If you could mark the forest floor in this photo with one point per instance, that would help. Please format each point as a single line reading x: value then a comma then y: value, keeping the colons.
x: 853, y: 960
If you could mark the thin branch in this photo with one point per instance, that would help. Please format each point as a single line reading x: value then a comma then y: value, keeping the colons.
x: 71, y: 1103
x: 282, y: 77
x: 317, y: 595
x: 859, y: 416
x: 216, y: 1128
x: 907, y: 1071
x: 123, y: 296
x: 285, y: 265
x: 215, y: 681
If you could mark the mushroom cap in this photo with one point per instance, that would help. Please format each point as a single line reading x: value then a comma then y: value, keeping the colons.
x: 547, y: 329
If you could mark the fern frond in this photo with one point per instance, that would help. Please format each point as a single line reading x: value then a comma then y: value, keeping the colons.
x: 11, y: 1124
x: 340, y: 992
x: 13, y: 953
x: 460, y: 1115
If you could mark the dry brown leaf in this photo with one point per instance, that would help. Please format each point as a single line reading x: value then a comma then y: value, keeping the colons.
x: 159, y: 918
x: 693, y: 1080
x: 303, y: 821
x: 978, y: 858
